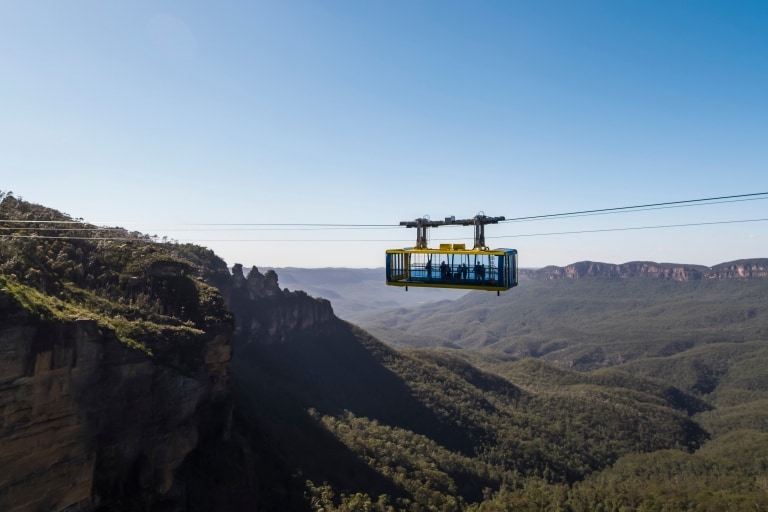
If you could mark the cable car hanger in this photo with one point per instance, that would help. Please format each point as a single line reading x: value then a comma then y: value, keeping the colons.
x: 479, y: 221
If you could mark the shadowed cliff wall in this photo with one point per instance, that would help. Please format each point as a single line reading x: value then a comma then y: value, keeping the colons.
x: 86, y: 421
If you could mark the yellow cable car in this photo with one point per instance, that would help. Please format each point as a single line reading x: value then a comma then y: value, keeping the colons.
x: 452, y: 265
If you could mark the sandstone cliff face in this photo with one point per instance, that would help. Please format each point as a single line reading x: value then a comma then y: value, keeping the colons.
x: 266, y: 314
x: 742, y: 269
x: 86, y: 421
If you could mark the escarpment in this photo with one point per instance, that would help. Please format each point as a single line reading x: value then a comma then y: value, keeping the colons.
x: 115, y: 387
x: 86, y: 420
x: 741, y: 269
x: 266, y: 314
x: 114, y: 367
x: 138, y: 376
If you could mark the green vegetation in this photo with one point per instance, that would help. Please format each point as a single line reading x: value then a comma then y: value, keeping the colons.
x: 576, y: 396
x: 425, y: 430
x: 153, y: 296
x: 588, y: 323
x: 584, y: 395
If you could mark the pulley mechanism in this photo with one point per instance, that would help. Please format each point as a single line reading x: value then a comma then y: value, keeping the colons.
x: 479, y: 221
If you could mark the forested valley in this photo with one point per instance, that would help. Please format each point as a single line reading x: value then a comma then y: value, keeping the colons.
x: 561, y: 395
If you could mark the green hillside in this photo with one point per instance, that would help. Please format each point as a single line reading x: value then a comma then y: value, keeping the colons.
x: 561, y: 395
x: 588, y: 323
x: 153, y: 296
x: 429, y: 428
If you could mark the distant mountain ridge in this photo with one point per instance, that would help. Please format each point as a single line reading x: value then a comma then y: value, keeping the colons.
x: 589, y: 315
x: 740, y: 269
x: 359, y: 293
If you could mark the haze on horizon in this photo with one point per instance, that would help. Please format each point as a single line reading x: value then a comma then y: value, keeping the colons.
x: 219, y: 124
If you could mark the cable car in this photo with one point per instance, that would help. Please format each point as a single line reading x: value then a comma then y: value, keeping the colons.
x: 452, y: 265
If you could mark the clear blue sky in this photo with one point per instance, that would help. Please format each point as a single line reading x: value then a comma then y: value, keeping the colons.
x: 161, y: 116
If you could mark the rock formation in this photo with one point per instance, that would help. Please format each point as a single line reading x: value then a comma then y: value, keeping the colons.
x: 266, y: 314
x: 93, y: 419
x: 742, y: 269
x: 84, y: 419
x: 89, y: 422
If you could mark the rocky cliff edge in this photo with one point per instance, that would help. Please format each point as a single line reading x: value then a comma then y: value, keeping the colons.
x: 741, y: 269
x: 86, y: 419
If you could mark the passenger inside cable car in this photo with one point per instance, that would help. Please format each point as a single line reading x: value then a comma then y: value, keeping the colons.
x: 459, y: 268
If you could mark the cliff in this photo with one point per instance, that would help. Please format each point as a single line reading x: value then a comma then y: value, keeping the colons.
x: 118, y: 381
x: 266, y: 314
x: 741, y: 269
x: 86, y: 420
x: 114, y: 367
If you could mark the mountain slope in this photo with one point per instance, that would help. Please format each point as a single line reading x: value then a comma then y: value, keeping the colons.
x: 113, y: 366
x: 343, y: 408
x: 591, y: 321
x: 115, y: 392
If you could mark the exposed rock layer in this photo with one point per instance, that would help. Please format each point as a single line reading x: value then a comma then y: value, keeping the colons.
x: 741, y: 269
x: 268, y: 314
x: 85, y: 420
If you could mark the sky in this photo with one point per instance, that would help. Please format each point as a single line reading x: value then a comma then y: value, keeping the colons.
x: 301, y: 133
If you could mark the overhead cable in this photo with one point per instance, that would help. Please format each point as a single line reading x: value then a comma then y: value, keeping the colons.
x: 323, y: 226
x: 153, y: 239
x: 636, y: 207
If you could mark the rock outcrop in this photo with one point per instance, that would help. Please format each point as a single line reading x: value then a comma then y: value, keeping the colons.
x: 115, y: 373
x: 742, y: 269
x: 87, y: 421
x: 266, y: 314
